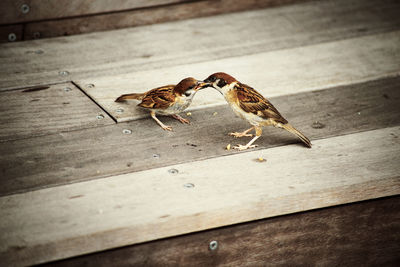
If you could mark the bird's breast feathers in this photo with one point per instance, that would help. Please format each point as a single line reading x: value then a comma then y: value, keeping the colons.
x: 233, y: 101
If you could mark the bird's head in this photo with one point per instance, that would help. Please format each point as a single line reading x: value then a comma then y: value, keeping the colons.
x: 188, y: 87
x: 220, y: 81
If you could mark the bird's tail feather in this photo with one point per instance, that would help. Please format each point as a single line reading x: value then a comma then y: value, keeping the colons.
x: 293, y: 130
x: 129, y: 96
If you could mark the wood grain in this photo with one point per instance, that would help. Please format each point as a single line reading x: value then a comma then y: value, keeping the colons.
x: 276, y: 73
x: 158, y: 14
x: 44, y: 110
x: 11, y: 12
x: 80, y: 218
x: 104, y: 151
x: 191, y: 41
x: 358, y: 234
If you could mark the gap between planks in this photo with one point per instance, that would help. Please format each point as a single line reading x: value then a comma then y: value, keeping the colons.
x: 107, y: 213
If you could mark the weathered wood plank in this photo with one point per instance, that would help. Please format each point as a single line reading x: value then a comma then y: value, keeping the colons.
x: 80, y: 218
x: 47, y: 110
x: 179, y: 11
x: 276, y: 73
x: 16, y: 11
x: 359, y: 234
x: 93, y: 153
x: 190, y: 41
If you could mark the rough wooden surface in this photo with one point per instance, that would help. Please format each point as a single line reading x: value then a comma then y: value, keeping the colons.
x: 281, y: 72
x: 11, y: 10
x: 193, y: 40
x: 61, y: 222
x: 106, y: 151
x: 130, y: 18
x: 47, y: 110
x: 359, y: 234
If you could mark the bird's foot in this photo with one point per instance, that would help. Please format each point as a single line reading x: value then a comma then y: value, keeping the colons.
x: 179, y: 118
x: 242, y: 147
x: 166, y: 128
x: 237, y: 135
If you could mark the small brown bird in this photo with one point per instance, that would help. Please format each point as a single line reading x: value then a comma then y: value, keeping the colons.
x: 167, y: 100
x: 248, y: 104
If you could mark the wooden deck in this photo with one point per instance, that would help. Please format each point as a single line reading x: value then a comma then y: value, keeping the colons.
x: 76, y: 190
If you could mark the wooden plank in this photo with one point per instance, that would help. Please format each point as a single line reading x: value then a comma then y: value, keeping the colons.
x: 94, y: 153
x: 252, y: 32
x: 277, y: 73
x: 17, y: 11
x: 44, y: 110
x: 359, y: 234
x: 80, y: 218
x: 139, y: 17
x: 11, y: 33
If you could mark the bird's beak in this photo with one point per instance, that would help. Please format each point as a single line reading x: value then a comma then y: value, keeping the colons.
x: 201, y: 85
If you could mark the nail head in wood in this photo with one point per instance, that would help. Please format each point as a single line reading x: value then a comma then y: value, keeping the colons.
x: 126, y: 131
x: 25, y: 9
x: 36, y: 35
x: 12, y: 37
x: 63, y: 73
x: 188, y: 185
x: 317, y: 125
x: 100, y: 117
x: 173, y: 171
x: 120, y: 110
x: 213, y: 245
x: 91, y: 85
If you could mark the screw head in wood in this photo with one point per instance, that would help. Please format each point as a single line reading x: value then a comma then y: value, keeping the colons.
x: 317, y: 125
x: 126, y: 131
x: 36, y: 35
x: 91, y: 85
x: 67, y: 89
x: 173, y: 171
x: 213, y: 245
x: 63, y: 73
x: 12, y: 37
x: 120, y: 110
x: 25, y: 9
x: 188, y: 185
x: 99, y: 117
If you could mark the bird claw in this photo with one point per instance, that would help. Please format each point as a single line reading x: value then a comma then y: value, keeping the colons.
x: 167, y: 128
x: 237, y: 135
x: 182, y: 120
x: 242, y: 147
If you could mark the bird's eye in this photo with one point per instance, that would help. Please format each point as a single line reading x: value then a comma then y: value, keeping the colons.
x: 188, y: 93
x: 221, y: 83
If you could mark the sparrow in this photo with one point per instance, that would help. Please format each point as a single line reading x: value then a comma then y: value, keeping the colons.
x: 250, y: 105
x: 167, y: 100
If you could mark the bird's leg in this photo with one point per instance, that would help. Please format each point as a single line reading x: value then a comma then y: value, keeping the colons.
x: 242, y: 134
x: 250, y: 144
x: 179, y: 118
x: 167, y: 128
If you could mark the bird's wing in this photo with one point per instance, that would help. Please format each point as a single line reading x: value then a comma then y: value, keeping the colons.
x: 159, y: 98
x: 253, y: 102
